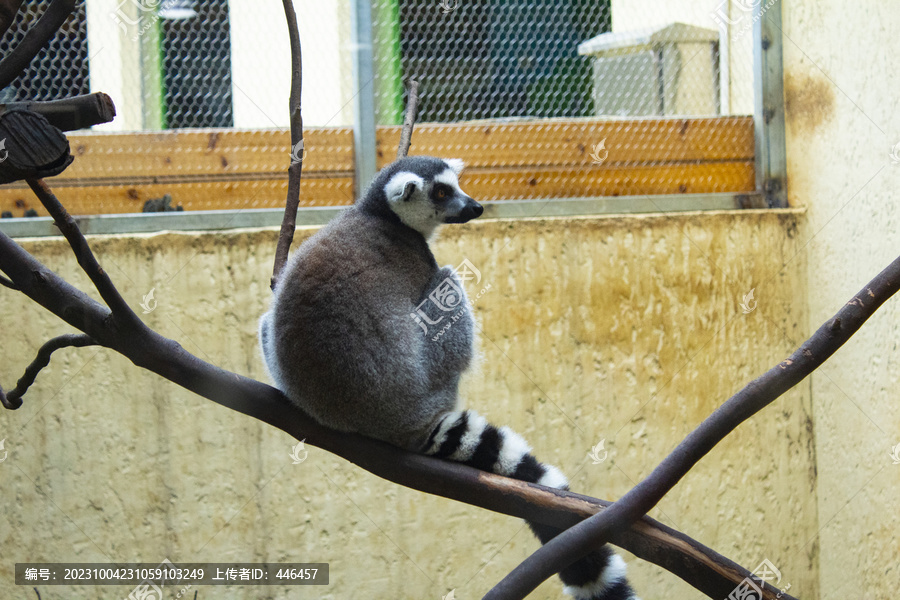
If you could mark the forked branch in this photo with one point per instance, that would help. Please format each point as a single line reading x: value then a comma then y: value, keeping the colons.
x: 121, y: 312
x: 623, y: 523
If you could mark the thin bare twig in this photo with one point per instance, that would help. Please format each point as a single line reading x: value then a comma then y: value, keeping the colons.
x: 295, y: 171
x: 35, y: 39
x: 582, y: 538
x: 13, y: 399
x: 86, y: 260
x: 410, y: 120
x: 7, y: 283
x: 699, y: 566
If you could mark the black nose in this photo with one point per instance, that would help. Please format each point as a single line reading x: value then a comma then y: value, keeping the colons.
x: 472, y: 210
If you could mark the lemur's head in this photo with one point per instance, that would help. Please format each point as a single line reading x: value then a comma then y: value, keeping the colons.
x: 423, y: 192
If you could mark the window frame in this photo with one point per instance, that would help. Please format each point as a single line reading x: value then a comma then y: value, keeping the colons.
x: 769, y: 162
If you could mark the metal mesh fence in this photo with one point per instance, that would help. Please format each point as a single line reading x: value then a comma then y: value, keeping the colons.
x: 542, y: 99
x: 482, y: 60
x: 61, y: 68
x: 196, y: 55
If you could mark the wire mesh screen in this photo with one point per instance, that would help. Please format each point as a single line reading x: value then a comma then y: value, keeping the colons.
x: 573, y: 98
x: 480, y: 60
x: 542, y: 99
x: 60, y: 69
x: 196, y: 61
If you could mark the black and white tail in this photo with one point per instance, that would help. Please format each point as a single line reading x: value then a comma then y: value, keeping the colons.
x: 466, y: 437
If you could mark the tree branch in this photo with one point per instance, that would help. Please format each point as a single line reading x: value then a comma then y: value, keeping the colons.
x: 577, y: 541
x: 410, y: 120
x: 13, y: 400
x: 35, y: 39
x: 72, y: 113
x: 295, y: 171
x: 121, y: 312
x: 699, y: 566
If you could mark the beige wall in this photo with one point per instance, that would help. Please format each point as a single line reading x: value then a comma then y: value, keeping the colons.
x: 623, y: 329
x: 115, y: 59
x: 261, y: 63
x: 843, y: 117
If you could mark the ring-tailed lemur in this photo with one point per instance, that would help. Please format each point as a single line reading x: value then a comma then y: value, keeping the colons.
x: 344, y: 340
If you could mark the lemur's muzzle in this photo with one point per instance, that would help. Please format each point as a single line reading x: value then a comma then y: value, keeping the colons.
x: 471, y: 210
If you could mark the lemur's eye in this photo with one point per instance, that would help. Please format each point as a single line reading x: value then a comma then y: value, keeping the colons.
x: 440, y: 193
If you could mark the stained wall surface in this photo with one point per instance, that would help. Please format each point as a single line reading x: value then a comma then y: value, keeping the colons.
x: 843, y: 148
x: 623, y: 330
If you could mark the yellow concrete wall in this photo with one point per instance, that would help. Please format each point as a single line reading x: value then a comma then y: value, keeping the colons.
x: 841, y: 87
x: 623, y: 329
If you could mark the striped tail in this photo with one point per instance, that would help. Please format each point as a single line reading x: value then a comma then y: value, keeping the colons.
x: 466, y: 437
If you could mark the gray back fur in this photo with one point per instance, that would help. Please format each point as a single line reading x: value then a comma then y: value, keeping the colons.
x: 340, y: 339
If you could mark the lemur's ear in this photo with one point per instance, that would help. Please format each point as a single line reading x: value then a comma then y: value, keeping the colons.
x: 456, y: 164
x: 401, y: 186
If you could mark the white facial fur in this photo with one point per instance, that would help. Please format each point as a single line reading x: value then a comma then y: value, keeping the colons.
x: 456, y: 164
x: 414, y: 210
x: 451, y: 177
x: 396, y: 187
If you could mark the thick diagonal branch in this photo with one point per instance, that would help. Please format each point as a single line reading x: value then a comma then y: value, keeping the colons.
x: 295, y: 170
x: 13, y: 399
x: 579, y: 540
x: 699, y: 566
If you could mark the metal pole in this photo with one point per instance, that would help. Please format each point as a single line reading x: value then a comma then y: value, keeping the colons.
x: 364, y: 101
x: 389, y: 85
x: 768, y: 106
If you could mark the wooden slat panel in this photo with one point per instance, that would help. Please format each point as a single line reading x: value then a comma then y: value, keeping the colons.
x: 223, y: 169
x: 539, y: 143
x: 570, y: 142
x: 213, y: 195
x: 609, y: 181
x: 492, y: 184
x: 221, y: 153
